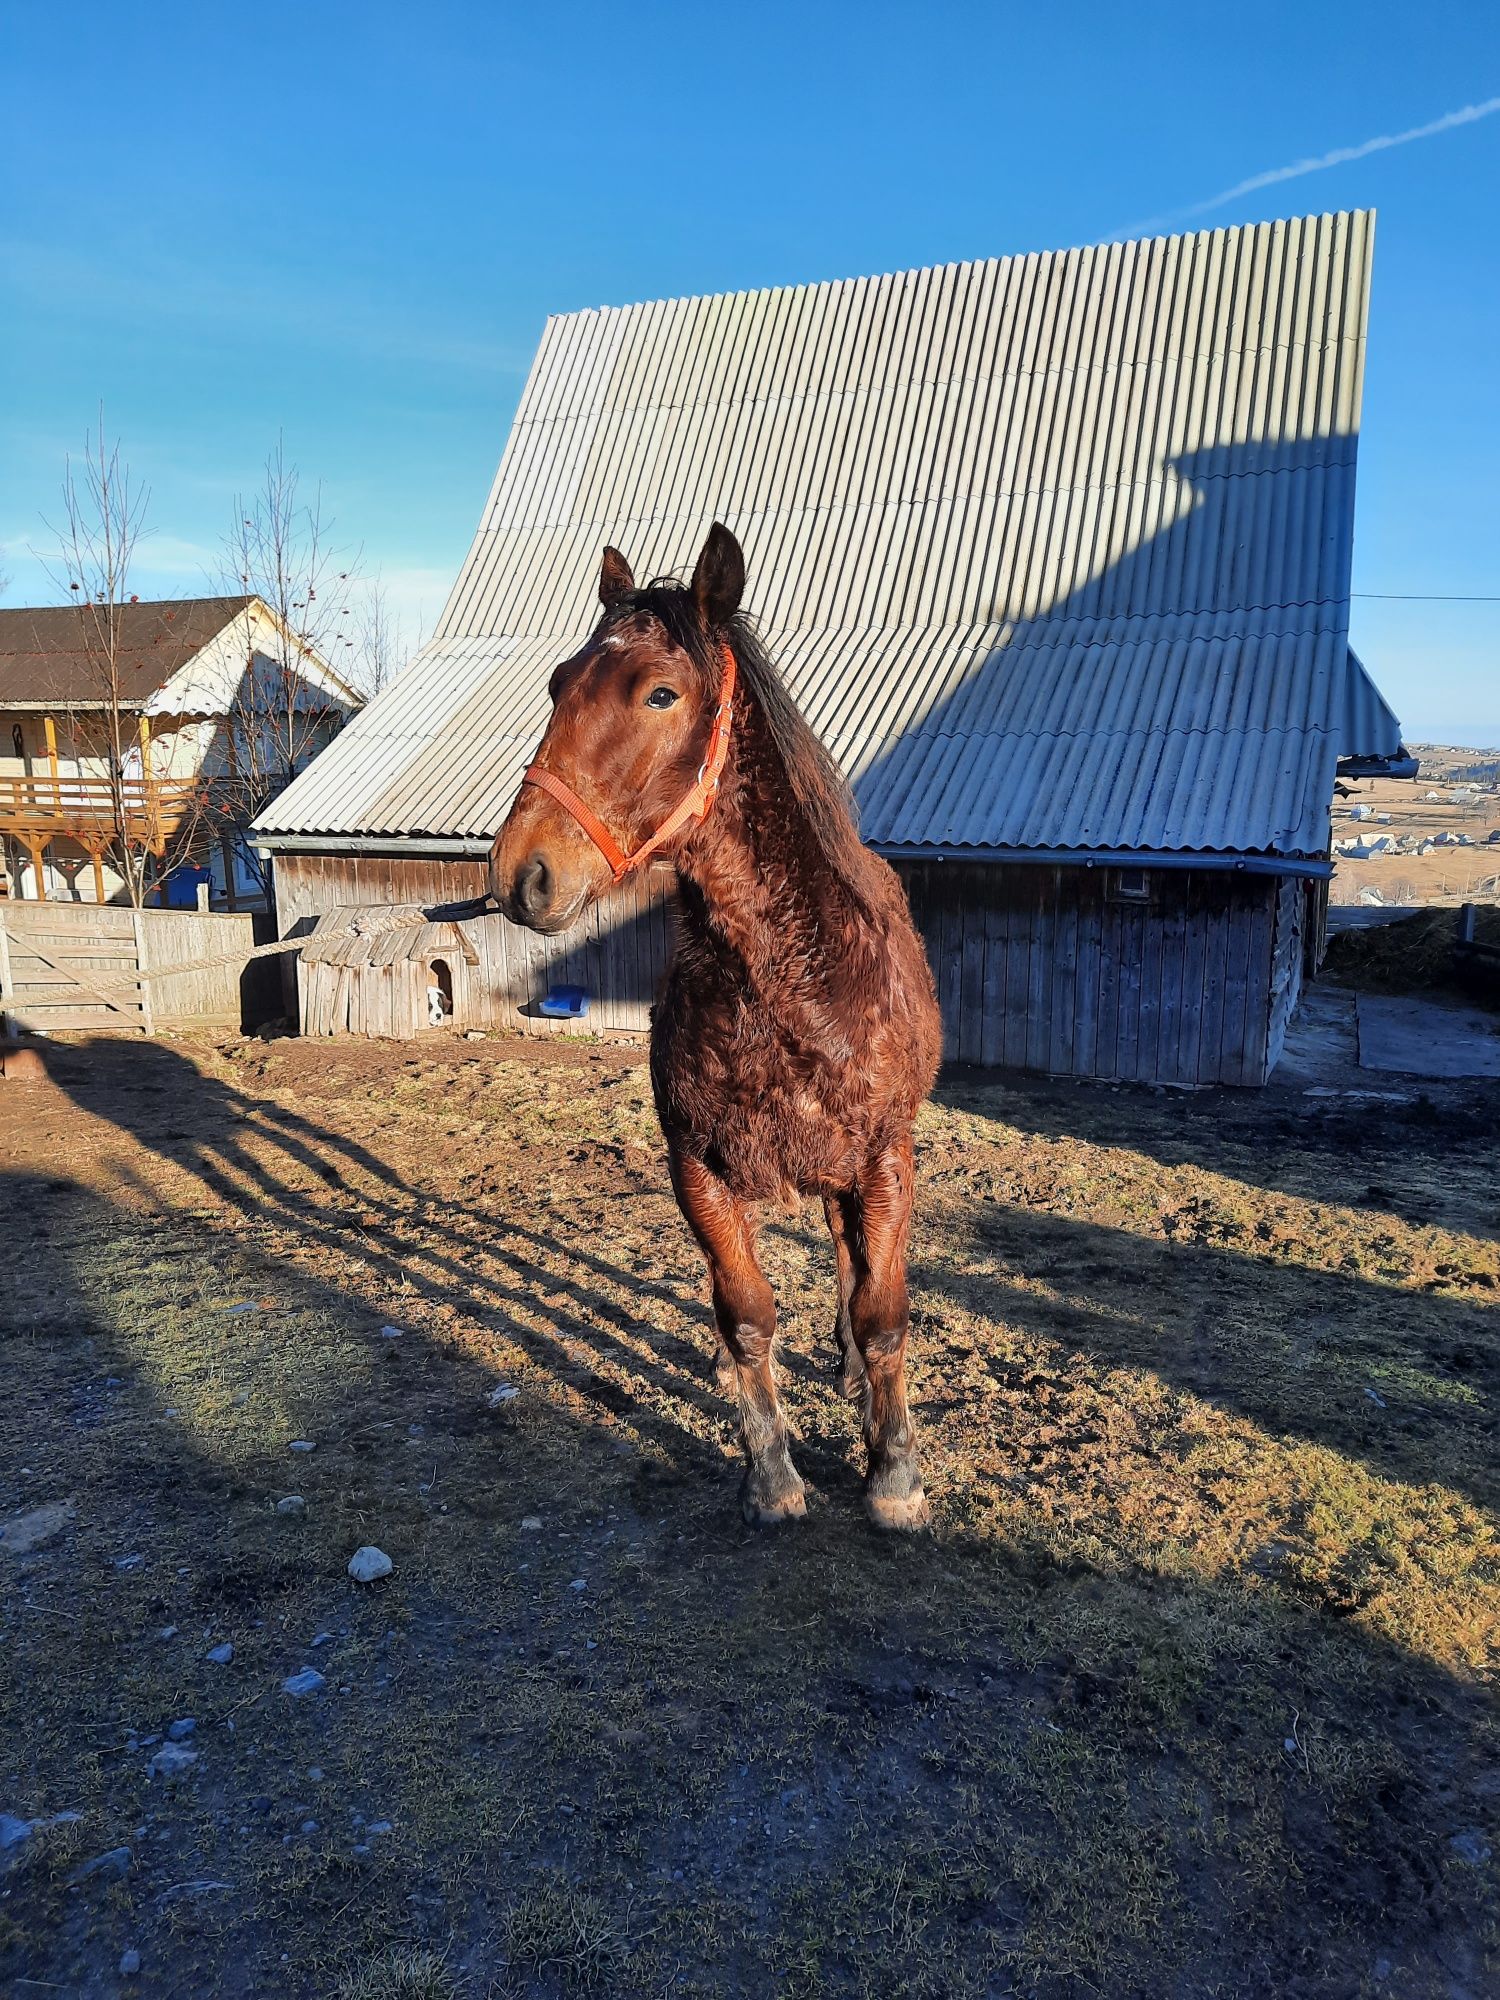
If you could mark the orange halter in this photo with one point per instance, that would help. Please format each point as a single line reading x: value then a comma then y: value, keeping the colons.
x: 695, y: 807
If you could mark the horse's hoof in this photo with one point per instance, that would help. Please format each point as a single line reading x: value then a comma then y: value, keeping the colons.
x: 764, y: 1507
x: 899, y: 1513
x: 894, y: 1499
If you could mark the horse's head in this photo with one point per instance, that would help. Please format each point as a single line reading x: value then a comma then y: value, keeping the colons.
x: 632, y: 732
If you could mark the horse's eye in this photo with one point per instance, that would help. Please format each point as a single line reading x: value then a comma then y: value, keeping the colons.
x: 662, y: 697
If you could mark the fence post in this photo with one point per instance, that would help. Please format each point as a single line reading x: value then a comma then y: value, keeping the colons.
x: 138, y: 924
x: 7, y: 986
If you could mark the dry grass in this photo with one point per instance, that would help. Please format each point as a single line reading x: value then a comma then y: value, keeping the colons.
x: 403, y: 1974
x: 1185, y: 1694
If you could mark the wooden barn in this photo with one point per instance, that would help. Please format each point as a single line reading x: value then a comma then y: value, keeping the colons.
x: 1054, y: 551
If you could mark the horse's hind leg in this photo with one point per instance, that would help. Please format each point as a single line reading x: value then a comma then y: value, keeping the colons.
x: 879, y: 1314
x: 746, y: 1313
x: 851, y: 1370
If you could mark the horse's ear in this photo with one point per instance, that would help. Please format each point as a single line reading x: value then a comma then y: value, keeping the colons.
x: 616, y: 579
x: 719, y: 579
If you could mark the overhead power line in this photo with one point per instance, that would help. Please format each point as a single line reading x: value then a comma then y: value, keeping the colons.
x: 1425, y: 597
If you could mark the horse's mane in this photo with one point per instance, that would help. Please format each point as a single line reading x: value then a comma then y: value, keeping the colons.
x: 817, y: 785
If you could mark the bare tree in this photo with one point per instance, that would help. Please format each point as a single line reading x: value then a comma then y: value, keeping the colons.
x: 103, y: 520
x: 381, y: 643
x: 279, y: 551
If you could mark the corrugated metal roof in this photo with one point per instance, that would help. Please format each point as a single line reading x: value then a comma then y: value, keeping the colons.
x: 1369, y: 728
x: 1053, y: 550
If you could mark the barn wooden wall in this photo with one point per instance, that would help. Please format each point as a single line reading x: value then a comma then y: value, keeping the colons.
x: 617, y: 954
x: 1038, y: 968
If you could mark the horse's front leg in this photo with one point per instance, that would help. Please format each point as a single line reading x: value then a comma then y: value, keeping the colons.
x: 851, y: 1370
x: 877, y: 1223
x: 746, y: 1314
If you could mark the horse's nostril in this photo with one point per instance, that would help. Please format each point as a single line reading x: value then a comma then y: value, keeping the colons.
x: 534, y: 886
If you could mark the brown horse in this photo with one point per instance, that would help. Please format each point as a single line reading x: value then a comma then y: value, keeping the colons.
x: 798, y: 1028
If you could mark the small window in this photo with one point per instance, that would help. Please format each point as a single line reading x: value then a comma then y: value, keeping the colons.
x: 18, y: 740
x: 1129, y: 885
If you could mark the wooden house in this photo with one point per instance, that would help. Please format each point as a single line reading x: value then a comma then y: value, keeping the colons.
x: 1054, y: 552
x: 128, y: 739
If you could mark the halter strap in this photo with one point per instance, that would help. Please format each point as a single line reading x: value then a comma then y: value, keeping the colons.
x: 695, y: 807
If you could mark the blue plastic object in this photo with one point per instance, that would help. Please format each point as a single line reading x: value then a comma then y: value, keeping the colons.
x: 564, y: 1003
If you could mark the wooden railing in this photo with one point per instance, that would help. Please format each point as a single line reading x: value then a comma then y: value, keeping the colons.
x: 148, y: 811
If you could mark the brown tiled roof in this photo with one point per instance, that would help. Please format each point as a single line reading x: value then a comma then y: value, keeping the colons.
x: 45, y: 649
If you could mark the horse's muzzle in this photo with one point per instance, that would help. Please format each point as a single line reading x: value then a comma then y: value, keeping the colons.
x: 533, y: 895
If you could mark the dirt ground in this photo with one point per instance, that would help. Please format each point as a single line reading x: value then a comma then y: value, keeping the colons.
x: 1187, y: 1693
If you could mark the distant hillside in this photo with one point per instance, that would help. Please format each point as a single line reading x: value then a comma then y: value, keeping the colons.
x: 1457, y: 763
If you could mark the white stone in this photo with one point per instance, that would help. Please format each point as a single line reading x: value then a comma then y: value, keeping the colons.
x: 368, y: 1565
x: 171, y: 1761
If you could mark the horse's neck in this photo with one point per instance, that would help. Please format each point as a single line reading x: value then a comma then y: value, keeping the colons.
x: 765, y: 891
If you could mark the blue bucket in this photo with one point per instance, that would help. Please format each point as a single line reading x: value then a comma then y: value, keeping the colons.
x: 564, y: 1003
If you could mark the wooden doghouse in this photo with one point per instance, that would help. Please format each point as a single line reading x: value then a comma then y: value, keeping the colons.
x: 384, y: 972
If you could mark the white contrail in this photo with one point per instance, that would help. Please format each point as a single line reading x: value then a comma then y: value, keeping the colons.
x: 1339, y: 157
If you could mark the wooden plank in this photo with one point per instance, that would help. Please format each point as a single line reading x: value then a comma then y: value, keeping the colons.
x: 1020, y: 932
x: 65, y: 1019
x: 1090, y: 914
x: 7, y: 986
x: 992, y: 994
x: 328, y: 979
x: 950, y: 975
x: 636, y: 963
x: 1039, y: 987
x: 1132, y: 920
x: 1194, y: 970
x: 606, y: 1002
x: 1062, y: 1023
x: 1258, y: 988
x: 92, y: 919
x: 1168, y: 1068
x: 1236, y: 976
x: 142, y: 962
x: 1148, y: 1019
x: 65, y: 950
x: 1106, y: 1031
x: 1210, y: 897
x: 971, y: 964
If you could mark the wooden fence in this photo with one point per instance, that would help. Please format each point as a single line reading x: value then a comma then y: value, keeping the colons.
x: 68, y: 966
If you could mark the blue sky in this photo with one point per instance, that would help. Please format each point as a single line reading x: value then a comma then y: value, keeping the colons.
x: 348, y: 223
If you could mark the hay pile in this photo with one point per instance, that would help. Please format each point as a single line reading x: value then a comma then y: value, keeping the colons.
x: 1415, y: 954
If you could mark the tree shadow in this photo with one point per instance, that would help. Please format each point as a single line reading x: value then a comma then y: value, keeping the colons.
x: 1378, y: 1150
x: 1248, y: 1324
x: 980, y: 1719
x: 1121, y: 713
